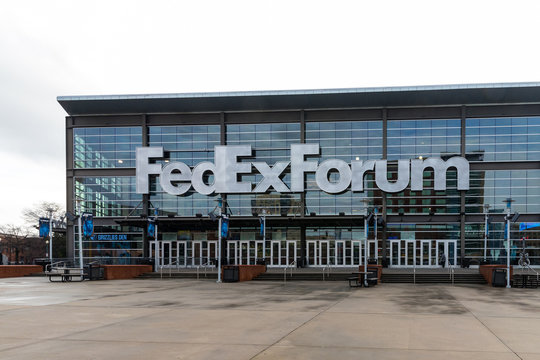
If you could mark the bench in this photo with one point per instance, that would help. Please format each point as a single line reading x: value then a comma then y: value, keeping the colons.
x: 65, y: 274
x: 358, y: 279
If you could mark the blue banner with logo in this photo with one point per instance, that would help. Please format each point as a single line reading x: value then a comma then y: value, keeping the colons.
x: 151, y: 230
x: 261, y: 220
x: 224, y: 226
x: 87, y: 224
x: 44, y: 227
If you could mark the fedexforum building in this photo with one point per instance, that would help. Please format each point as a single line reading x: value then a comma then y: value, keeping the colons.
x: 433, y: 164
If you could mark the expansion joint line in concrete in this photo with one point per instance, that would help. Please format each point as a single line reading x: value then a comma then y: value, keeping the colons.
x: 299, y: 326
x: 491, y: 331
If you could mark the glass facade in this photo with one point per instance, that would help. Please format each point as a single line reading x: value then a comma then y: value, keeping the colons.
x: 503, y: 139
x: 344, y: 140
x: 105, y: 147
x: 108, y: 195
x: 270, y: 143
x: 409, y: 139
x: 497, y: 139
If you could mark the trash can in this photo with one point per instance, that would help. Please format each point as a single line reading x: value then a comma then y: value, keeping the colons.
x: 230, y: 273
x: 498, y: 278
x: 93, y: 272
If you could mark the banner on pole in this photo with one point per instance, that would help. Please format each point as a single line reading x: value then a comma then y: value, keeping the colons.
x: 261, y: 220
x: 224, y: 226
x: 44, y: 227
x: 87, y: 224
x: 151, y: 230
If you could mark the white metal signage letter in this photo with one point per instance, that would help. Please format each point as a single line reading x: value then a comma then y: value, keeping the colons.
x: 271, y: 177
x: 143, y: 168
x: 439, y: 167
x: 175, y: 172
x: 381, y: 176
x: 227, y: 168
x: 321, y: 176
x: 299, y: 167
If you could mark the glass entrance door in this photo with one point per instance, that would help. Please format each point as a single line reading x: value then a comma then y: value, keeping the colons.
x: 244, y: 252
x: 291, y: 251
x: 356, y: 254
x: 232, y: 253
x: 425, y: 253
x: 275, y: 253
x: 410, y: 253
x: 395, y: 250
x: 339, y: 253
x: 181, y: 253
x: 449, y: 249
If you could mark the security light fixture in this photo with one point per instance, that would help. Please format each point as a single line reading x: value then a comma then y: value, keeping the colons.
x: 198, y: 215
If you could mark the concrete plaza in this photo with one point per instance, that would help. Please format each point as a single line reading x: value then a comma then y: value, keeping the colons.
x: 190, y: 319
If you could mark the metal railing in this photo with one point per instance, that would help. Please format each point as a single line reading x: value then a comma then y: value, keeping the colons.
x: 326, y: 268
x: 291, y: 266
x: 534, y: 271
x: 49, y: 267
x: 451, y: 271
x: 206, y: 265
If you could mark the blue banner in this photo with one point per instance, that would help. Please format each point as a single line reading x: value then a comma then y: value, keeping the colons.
x: 261, y: 220
x: 87, y: 224
x: 224, y: 227
x: 151, y: 231
x: 44, y: 227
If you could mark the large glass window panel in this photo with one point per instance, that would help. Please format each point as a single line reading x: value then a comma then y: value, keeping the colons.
x: 111, y: 147
x: 108, y: 196
x: 503, y: 139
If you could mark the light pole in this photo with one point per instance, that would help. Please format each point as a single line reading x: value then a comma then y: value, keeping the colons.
x: 79, y: 224
x: 508, y: 202
x: 50, y: 210
x: 366, y: 231
x: 219, y: 245
x: 486, y: 230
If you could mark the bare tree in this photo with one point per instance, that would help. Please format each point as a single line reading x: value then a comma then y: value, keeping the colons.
x: 13, y: 241
x: 31, y: 215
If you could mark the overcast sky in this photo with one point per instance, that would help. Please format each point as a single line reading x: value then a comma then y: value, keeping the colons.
x: 51, y: 48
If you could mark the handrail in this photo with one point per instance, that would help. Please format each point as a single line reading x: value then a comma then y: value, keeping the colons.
x: 534, y: 271
x: 326, y: 267
x: 414, y: 274
x: 205, y: 265
x: 451, y: 267
x: 51, y: 265
x: 291, y: 265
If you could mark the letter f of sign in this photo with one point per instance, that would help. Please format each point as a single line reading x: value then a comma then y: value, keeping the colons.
x: 271, y: 177
x: 143, y: 169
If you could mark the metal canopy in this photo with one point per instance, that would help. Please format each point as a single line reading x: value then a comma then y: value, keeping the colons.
x: 478, y: 94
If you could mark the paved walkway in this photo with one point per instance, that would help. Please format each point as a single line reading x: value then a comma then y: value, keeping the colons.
x: 189, y: 319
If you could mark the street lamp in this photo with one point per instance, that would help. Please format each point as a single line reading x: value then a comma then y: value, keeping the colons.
x: 508, y: 202
x: 366, y: 231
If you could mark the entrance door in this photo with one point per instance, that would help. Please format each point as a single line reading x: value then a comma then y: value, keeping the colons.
x: 244, y: 252
x: 410, y: 253
x: 154, y: 253
x: 212, y: 252
x: 181, y: 253
x: 232, y: 253
x: 425, y: 253
x: 275, y: 253
x: 291, y: 251
x: 324, y: 253
x: 166, y: 253
x: 372, y: 249
x: 340, y: 253
x: 395, y: 250
x: 259, y: 250
x: 449, y: 249
x: 356, y: 255
x: 311, y: 253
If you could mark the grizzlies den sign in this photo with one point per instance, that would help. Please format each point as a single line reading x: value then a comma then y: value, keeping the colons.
x: 177, y: 178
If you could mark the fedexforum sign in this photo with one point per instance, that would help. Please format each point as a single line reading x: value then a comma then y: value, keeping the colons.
x: 177, y: 178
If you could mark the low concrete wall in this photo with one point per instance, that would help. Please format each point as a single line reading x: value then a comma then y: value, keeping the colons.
x: 19, y: 270
x: 116, y: 272
x: 487, y: 271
